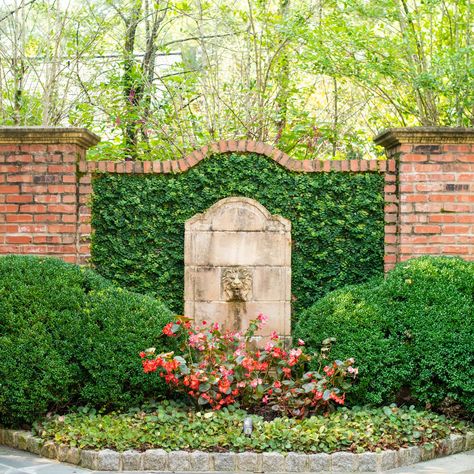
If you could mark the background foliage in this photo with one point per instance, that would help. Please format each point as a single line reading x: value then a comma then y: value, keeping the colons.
x: 163, y: 77
x: 411, y: 334
x: 337, y: 223
x: 69, y: 337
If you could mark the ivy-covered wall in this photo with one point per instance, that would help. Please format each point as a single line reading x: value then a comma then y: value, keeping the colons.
x: 337, y: 223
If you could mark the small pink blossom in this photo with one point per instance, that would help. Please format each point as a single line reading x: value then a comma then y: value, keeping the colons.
x: 353, y: 370
x: 295, y: 353
x: 301, y: 342
x: 262, y: 318
x: 225, y: 372
x: 269, y: 346
x: 255, y: 382
x: 274, y: 336
x: 196, y: 339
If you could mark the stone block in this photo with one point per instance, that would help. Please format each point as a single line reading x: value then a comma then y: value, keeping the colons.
x: 34, y: 445
x: 319, y: 462
x: 49, y: 450
x: 132, y: 460
x: 296, y: 462
x: 16, y: 434
x: 273, y: 462
x: 443, y: 448
x: 200, y: 461
x: 388, y: 460
x: 344, y: 462
x: 108, y: 460
x: 179, y: 461
x: 409, y: 456
x: 428, y: 451
x: 224, y: 461
x: 204, y: 283
x: 469, y: 441
x: 155, y: 460
x: 73, y: 456
x: 264, y: 287
x: 22, y: 439
x: 457, y: 443
x: 2, y: 435
x: 369, y: 462
x: 238, y: 248
x: 62, y: 450
x: 9, y: 438
x: 218, y: 311
x: 248, y: 462
x: 89, y: 459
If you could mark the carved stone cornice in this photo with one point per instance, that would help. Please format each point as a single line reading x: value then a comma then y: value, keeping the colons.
x: 393, y: 137
x: 47, y: 135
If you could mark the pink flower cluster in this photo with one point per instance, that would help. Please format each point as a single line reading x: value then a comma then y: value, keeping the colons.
x: 220, y: 368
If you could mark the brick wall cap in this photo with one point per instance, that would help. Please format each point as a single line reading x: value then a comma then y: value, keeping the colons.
x: 48, y: 136
x: 393, y: 137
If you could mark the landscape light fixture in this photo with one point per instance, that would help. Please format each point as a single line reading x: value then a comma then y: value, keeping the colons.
x: 248, y: 426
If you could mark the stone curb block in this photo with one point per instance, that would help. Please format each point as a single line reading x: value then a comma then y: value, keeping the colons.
x: 89, y: 459
x: 155, y: 459
x: 132, y: 460
x: 224, y: 461
x: 182, y: 461
x: 108, y: 460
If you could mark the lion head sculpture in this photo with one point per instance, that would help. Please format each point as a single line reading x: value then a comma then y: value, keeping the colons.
x: 237, y: 283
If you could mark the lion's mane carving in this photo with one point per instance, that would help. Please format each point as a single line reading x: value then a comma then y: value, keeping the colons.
x: 237, y: 283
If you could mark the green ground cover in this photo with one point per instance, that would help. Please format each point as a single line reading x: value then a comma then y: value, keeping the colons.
x: 155, y: 426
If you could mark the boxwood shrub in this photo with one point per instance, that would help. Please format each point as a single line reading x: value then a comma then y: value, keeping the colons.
x: 68, y: 336
x: 412, y: 333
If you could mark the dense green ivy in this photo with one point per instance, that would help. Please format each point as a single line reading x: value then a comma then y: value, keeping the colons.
x: 337, y: 223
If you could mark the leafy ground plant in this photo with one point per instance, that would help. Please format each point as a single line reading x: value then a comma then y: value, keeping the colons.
x: 220, y: 368
x: 154, y: 426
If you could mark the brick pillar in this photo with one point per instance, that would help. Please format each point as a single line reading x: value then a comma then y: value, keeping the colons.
x: 435, y: 188
x: 39, y: 196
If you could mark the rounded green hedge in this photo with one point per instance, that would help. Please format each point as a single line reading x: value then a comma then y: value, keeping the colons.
x: 68, y: 336
x: 412, y: 334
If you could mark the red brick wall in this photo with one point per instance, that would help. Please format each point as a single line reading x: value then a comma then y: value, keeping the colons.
x: 435, y: 187
x: 45, y: 188
x: 38, y: 190
x: 38, y: 202
x: 436, y: 201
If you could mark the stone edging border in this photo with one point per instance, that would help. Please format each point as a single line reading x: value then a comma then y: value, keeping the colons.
x: 179, y: 461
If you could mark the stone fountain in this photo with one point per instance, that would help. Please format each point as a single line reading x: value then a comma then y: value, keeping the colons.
x: 237, y: 265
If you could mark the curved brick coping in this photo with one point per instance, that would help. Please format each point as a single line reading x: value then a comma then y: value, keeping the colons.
x: 160, y: 460
x: 230, y: 146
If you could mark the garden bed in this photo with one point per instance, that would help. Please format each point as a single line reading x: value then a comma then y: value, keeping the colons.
x: 345, y: 440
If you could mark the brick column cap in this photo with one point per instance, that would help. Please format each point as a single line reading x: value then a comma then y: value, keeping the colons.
x: 393, y: 137
x: 48, y: 135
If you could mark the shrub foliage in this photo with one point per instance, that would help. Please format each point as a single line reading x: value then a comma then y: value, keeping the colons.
x: 69, y: 336
x: 337, y: 223
x: 412, y: 333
